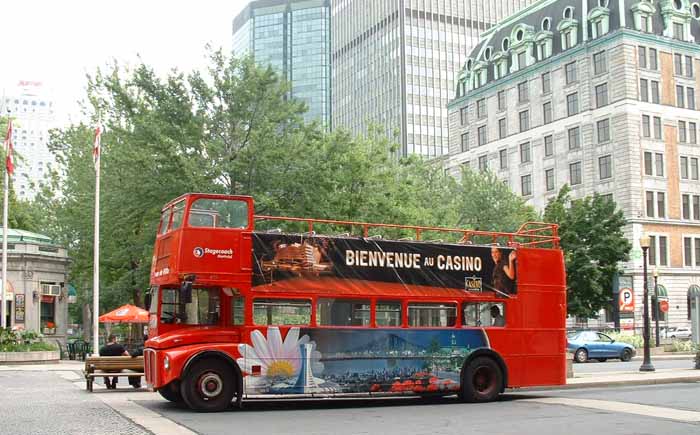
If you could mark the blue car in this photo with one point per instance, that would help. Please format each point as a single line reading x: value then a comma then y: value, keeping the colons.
x: 587, y: 345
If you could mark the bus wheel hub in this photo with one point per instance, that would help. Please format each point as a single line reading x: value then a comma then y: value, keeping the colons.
x: 210, y: 385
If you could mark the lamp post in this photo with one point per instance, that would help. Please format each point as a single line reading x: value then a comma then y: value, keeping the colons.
x: 656, y: 305
x: 646, y: 364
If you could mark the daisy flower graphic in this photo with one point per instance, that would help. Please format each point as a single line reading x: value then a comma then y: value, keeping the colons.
x: 276, y: 358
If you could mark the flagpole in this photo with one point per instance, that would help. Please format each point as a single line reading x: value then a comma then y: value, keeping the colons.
x: 4, y: 249
x: 96, y: 259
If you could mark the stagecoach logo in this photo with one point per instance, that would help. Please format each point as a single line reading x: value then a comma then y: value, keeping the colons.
x: 218, y: 253
x: 472, y: 284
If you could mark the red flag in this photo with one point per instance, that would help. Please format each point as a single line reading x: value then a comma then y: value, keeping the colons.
x: 9, y: 164
x: 96, y: 148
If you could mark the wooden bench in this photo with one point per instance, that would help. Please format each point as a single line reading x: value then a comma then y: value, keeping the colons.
x: 111, y: 366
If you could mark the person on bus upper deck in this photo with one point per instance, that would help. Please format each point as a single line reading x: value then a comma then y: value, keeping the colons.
x: 503, y: 277
x: 112, y: 348
x: 496, y: 317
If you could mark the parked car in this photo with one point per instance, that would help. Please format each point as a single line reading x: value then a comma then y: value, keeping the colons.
x: 680, y: 332
x: 587, y: 345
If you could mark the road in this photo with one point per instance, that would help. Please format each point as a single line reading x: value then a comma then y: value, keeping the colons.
x: 617, y: 366
x: 56, y: 403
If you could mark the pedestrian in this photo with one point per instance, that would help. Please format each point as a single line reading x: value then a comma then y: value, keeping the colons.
x: 112, y: 348
x: 496, y: 317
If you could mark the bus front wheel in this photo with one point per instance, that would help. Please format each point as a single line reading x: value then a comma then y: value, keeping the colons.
x: 209, y: 386
x: 171, y: 392
x: 482, y: 380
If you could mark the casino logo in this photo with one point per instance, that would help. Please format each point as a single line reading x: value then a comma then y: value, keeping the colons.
x: 198, y: 252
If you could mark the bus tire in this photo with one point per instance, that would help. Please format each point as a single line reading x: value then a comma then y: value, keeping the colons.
x: 482, y: 380
x: 209, y: 386
x: 171, y: 392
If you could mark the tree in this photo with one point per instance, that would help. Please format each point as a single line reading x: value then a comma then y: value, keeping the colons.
x: 591, y: 235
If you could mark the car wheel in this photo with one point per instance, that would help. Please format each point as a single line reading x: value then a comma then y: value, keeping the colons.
x: 482, y: 380
x: 209, y: 386
x: 581, y: 355
x: 602, y: 359
x: 626, y: 355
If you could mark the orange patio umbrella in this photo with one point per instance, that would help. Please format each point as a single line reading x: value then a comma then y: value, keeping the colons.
x: 126, y: 314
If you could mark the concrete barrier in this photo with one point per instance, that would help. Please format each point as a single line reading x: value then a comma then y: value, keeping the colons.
x: 37, y: 357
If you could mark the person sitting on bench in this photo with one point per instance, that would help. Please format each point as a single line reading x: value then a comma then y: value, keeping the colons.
x: 112, y: 348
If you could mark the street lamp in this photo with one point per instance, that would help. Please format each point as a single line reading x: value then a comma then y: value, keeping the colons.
x: 646, y: 366
x: 656, y: 305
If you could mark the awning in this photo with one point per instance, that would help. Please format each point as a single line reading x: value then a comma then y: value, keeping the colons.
x: 694, y: 291
x: 663, y: 293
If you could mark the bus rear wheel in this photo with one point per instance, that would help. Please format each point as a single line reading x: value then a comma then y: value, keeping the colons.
x: 209, y: 386
x: 171, y: 392
x: 482, y: 380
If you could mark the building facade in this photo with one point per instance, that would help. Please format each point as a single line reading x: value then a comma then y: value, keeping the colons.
x: 395, y: 62
x: 30, y: 105
x: 600, y: 95
x: 292, y: 36
x: 37, y: 296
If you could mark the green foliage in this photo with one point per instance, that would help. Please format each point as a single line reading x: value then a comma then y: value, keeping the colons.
x: 681, y: 346
x: 635, y: 340
x: 22, y: 341
x: 591, y: 235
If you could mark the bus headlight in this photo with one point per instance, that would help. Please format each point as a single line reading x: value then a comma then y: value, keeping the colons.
x: 166, y: 362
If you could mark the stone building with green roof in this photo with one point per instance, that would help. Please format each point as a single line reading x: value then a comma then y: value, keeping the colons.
x: 36, y: 297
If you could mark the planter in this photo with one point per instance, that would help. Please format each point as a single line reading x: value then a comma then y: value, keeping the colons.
x: 37, y: 357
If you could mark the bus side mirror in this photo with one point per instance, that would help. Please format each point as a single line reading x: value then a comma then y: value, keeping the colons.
x: 186, y: 292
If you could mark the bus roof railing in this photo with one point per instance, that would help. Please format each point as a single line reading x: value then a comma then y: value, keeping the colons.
x: 530, y: 234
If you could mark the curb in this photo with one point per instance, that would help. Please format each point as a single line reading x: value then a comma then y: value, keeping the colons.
x: 613, y: 383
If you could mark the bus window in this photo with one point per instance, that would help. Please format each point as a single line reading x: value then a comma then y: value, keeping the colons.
x: 219, y: 213
x: 431, y: 315
x: 203, y: 310
x: 281, y: 312
x: 237, y: 310
x: 484, y: 314
x: 178, y: 214
x: 342, y: 312
x: 388, y: 313
x: 165, y: 220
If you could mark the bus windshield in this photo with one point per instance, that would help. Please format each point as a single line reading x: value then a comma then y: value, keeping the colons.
x: 219, y: 213
x: 204, y: 309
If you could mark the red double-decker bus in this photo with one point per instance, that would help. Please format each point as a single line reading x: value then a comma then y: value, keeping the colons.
x: 238, y: 313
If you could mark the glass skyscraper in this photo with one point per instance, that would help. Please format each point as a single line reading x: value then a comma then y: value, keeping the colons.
x: 293, y: 36
x: 395, y: 64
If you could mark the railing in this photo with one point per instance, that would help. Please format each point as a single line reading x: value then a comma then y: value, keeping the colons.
x: 530, y: 234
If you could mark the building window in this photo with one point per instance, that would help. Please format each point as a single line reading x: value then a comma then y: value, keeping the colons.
x: 549, y: 179
x: 525, y: 152
x: 692, y: 133
x: 650, y: 204
x: 660, y: 204
x: 463, y: 116
x: 575, y: 173
x: 523, y: 96
x: 481, y: 135
x: 572, y: 104
x: 655, y: 92
x: 646, y: 126
x: 481, y: 108
x: 465, y: 142
x: 644, y: 90
x: 548, y: 146
x: 522, y: 62
x: 678, y: 31
x: 648, y: 163
x: 570, y: 69
x: 691, y: 98
x: 658, y: 250
x: 603, y: 127
x: 526, y: 185
x: 601, y: 95
x: 524, y: 120
x: 659, y: 164
x: 694, y: 168
x: 503, y: 158
x: 501, y: 100
x: 605, y: 167
x: 678, y: 64
x: 680, y: 96
x: 657, y: 127
x: 483, y: 163
x: 684, y: 167
x: 682, y: 132
x: 685, y: 206
x: 574, y: 138
x: 547, y: 112
x: 696, y: 208
x: 642, y: 55
x: 653, y: 59
x: 689, y: 66
x: 599, y: 63
x: 502, y: 132
x: 546, y: 83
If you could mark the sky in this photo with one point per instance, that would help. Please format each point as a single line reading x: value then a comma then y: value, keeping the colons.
x: 58, y: 42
